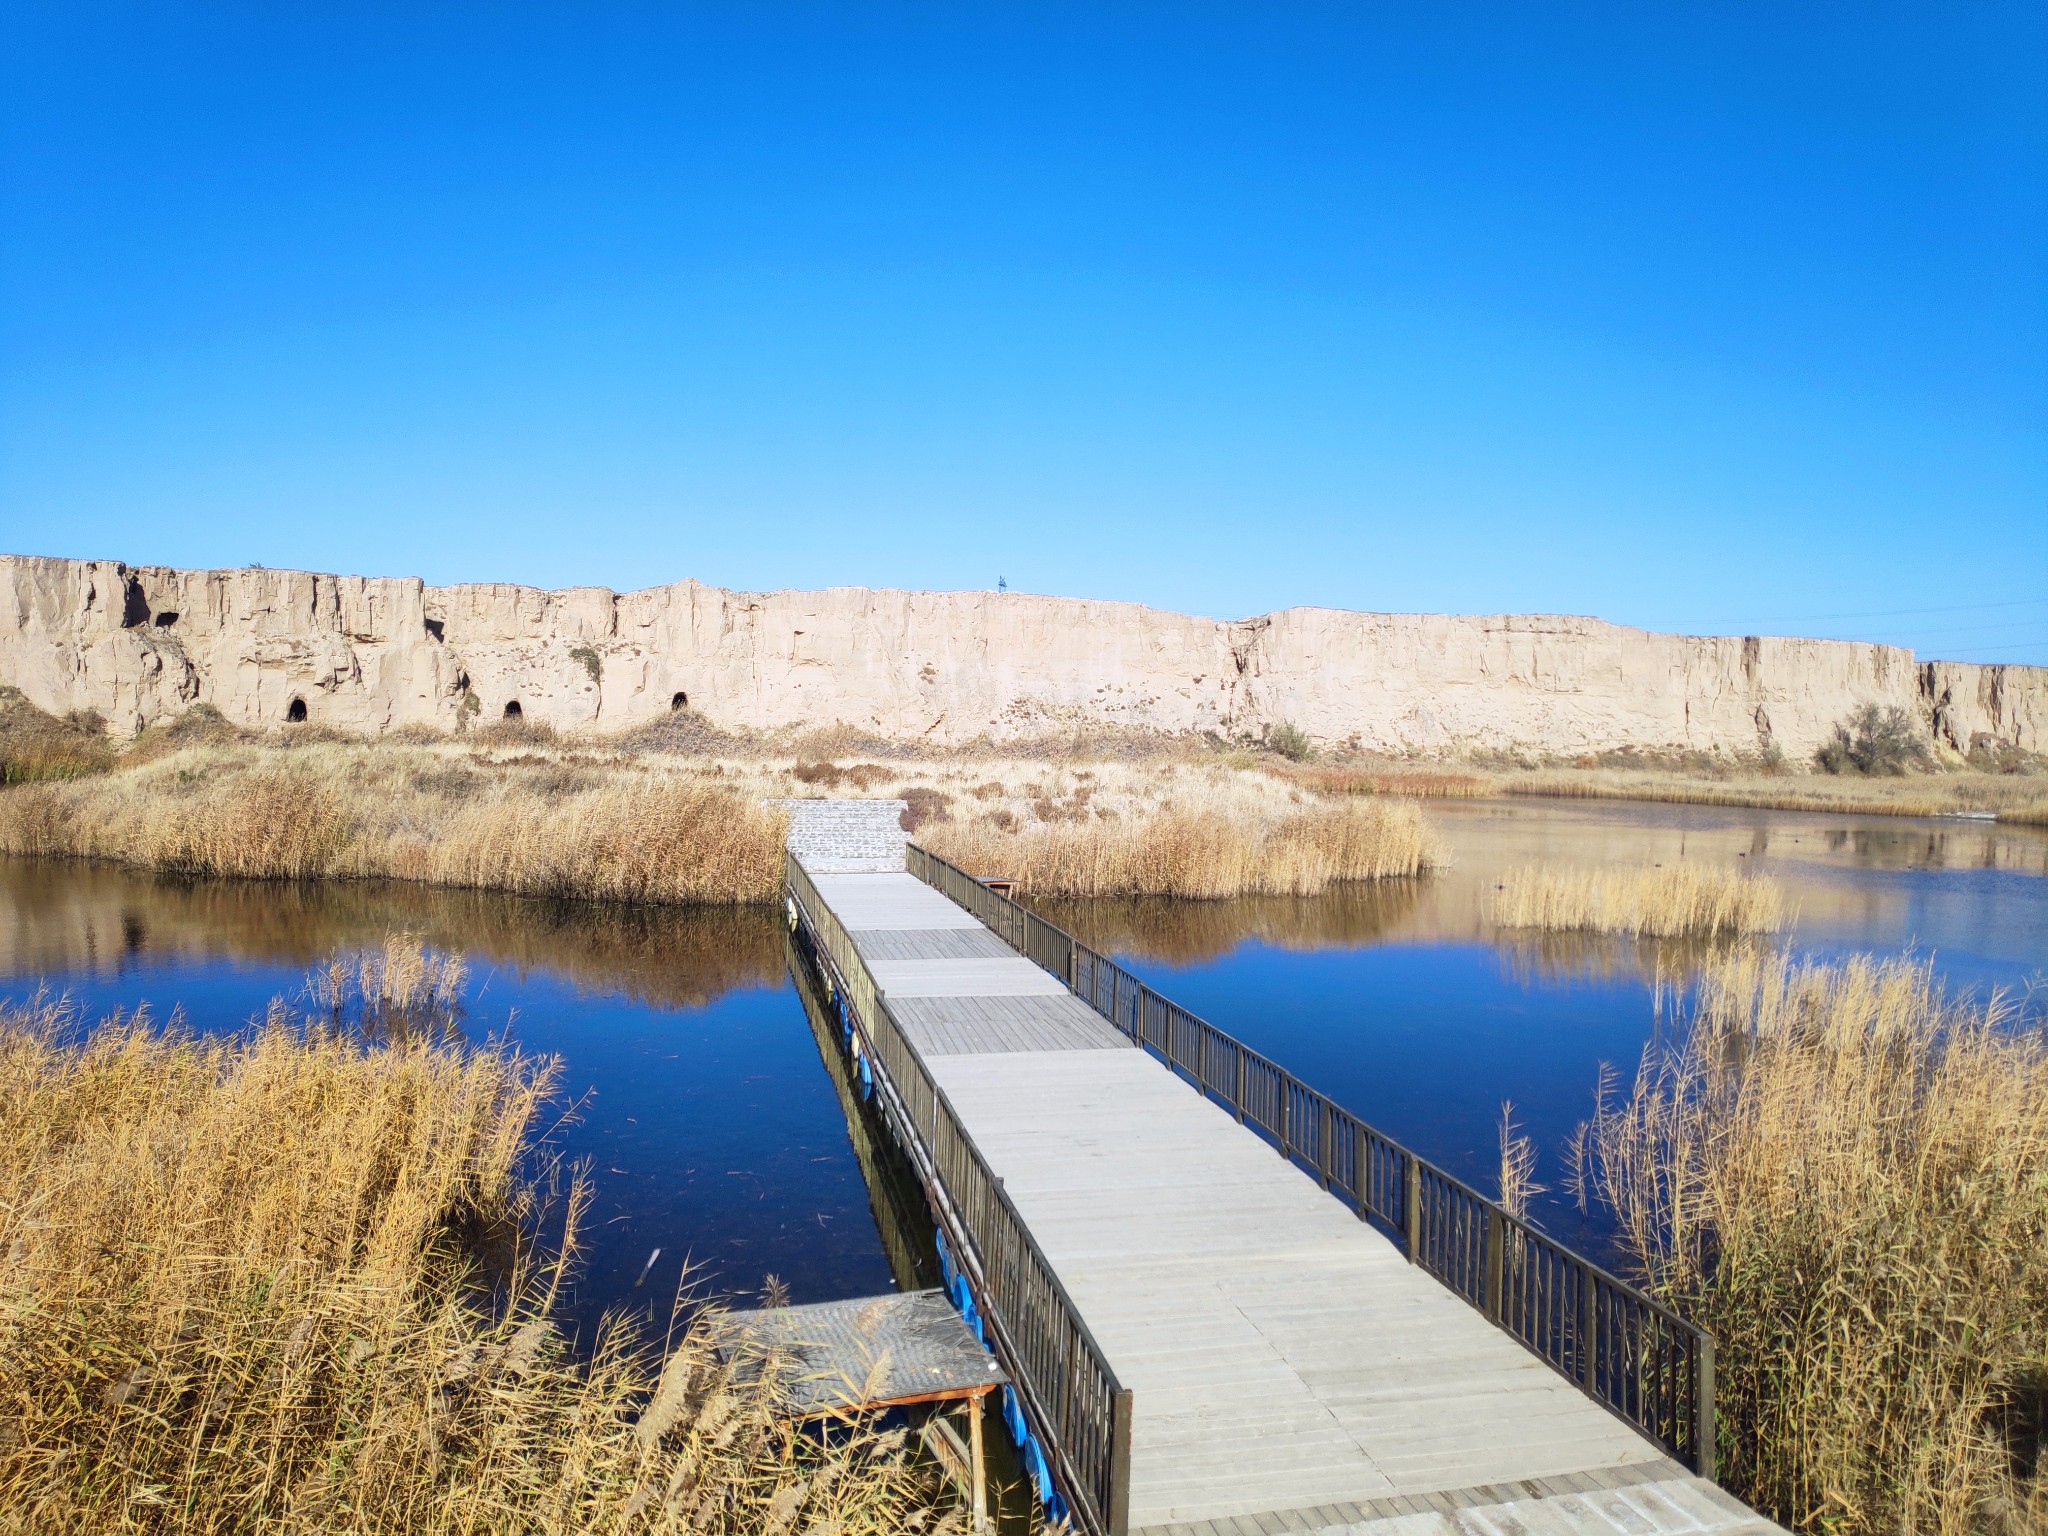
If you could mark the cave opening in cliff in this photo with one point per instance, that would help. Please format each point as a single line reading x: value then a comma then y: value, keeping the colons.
x: 680, y: 702
x: 513, y: 711
x: 167, y: 618
x: 435, y: 629
x: 295, y: 713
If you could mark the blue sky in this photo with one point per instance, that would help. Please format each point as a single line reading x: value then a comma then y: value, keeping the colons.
x: 1717, y: 318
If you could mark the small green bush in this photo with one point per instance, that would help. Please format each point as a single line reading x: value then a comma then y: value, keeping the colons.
x: 592, y: 662
x: 1875, y: 741
x: 1290, y: 741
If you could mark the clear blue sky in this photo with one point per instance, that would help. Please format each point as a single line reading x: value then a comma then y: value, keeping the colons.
x: 1719, y: 318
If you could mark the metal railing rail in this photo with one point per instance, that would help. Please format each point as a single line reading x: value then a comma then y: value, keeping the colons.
x: 1076, y: 1407
x: 1636, y: 1358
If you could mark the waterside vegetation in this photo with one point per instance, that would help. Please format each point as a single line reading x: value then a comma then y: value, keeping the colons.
x: 516, y: 808
x: 289, y: 1282
x: 1641, y: 900
x: 1215, y: 843
x: 561, y: 825
x: 1842, y: 1173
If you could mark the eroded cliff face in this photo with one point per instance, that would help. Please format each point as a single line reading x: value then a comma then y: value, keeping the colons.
x: 141, y: 643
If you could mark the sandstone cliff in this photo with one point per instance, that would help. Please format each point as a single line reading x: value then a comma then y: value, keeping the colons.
x: 141, y: 643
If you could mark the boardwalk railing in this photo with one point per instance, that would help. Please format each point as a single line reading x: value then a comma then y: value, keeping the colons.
x: 1634, y: 1357
x: 1071, y: 1398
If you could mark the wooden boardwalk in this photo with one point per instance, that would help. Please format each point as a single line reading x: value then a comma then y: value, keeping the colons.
x: 1289, y: 1369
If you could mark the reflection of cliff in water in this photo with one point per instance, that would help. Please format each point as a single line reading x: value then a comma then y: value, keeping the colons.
x: 58, y: 916
x: 1185, y: 932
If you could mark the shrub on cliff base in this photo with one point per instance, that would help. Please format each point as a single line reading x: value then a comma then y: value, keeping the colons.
x: 1290, y: 741
x: 1875, y: 741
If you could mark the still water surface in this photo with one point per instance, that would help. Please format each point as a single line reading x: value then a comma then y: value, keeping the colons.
x: 714, y: 1132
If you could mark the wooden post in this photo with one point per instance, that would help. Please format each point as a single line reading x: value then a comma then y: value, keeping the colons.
x: 977, y: 1466
x: 1703, y: 1410
x: 1119, y: 1511
x: 1411, y: 1206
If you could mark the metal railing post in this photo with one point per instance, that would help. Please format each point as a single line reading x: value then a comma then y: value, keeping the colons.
x: 1496, y: 1257
x: 1286, y: 1116
x: 1411, y: 1204
x: 1589, y: 1331
x: 1361, y: 1159
x: 1237, y: 1098
x: 1703, y: 1410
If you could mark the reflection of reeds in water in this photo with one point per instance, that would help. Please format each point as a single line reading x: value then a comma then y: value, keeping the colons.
x: 239, y: 1292
x: 1198, y: 851
x: 64, y: 916
x: 402, y: 986
x: 1842, y: 1173
x: 1640, y: 900
x: 1533, y: 957
x: 1187, y: 932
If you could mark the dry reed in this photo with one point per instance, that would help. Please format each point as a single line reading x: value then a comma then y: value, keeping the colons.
x: 1641, y: 900
x: 2005, y: 796
x: 1197, y: 851
x: 608, y: 829
x: 36, y: 746
x: 1842, y: 1173
x: 285, y: 1283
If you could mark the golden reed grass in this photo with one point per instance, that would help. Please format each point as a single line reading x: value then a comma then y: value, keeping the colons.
x: 1641, y: 900
x: 1197, y: 851
x: 2005, y: 796
x: 620, y: 831
x: 286, y: 1283
x: 1842, y: 1173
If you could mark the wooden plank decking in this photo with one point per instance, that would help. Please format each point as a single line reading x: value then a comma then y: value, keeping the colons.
x: 1290, y: 1370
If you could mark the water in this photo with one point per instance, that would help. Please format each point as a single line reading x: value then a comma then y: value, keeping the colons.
x: 692, y: 1085
x: 714, y: 1132
x: 1402, y: 1002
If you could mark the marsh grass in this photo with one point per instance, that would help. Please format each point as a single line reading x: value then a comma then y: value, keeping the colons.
x: 562, y: 825
x: 2012, y: 797
x: 35, y: 746
x: 1842, y: 1173
x: 287, y: 1283
x: 1200, y: 850
x: 1641, y: 900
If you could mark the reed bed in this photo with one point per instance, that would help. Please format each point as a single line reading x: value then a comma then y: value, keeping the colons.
x: 1197, y: 851
x: 1842, y: 1173
x: 2012, y: 797
x: 35, y: 746
x: 1641, y: 900
x: 559, y: 825
x: 287, y: 1283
